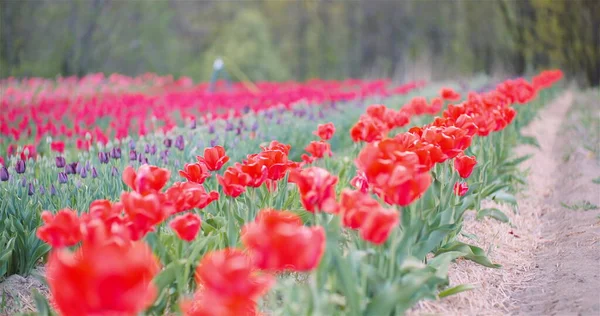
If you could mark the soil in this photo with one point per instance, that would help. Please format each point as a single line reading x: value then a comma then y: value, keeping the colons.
x: 567, y: 261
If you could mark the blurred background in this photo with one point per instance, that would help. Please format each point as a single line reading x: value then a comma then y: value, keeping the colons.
x: 299, y: 40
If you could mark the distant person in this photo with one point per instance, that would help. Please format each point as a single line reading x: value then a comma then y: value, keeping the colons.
x: 218, y: 69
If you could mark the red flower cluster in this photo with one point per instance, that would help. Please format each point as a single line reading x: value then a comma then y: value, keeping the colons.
x: 277, y: 241
x: 360, y: 211
x: 546, y: 78
x: 271, y: 164
x: 393, y: 171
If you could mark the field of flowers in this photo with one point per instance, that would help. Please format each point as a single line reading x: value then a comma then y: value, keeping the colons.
x: 160, y: 196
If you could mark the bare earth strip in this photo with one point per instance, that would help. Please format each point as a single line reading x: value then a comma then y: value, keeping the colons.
x: 549, y: 254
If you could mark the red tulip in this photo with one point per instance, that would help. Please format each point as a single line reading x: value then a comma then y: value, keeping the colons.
x: 325, y: 131
x: 464, y: 165
x: 214, y: 158
x: 103, y: 280
x: 460, y: 188
x: 195, y: 172
x: 317, y: 189
x: 60, y: 230
x: 186, y: 226
x: 278, y: 241
x: 58, y: 147
x: 228, y: 285
x: 449, y: 94
x: 144, y: 212
x: 319, y: 149
x: 186, y: 196
x: 147, y: 180
x: 233, y: 181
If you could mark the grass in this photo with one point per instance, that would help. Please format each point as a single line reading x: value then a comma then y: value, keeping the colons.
x: 584, y: 205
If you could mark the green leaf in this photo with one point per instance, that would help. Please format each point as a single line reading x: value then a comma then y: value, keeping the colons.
x: 503, y: 196
x: 469, y: 252
x: 493, y: 213
x: 455, y: 290
x: 596, y: 180
x: 529, y: 140
x: 41, y: 304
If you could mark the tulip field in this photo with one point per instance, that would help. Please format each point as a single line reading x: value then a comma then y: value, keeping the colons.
x: 157, y: 196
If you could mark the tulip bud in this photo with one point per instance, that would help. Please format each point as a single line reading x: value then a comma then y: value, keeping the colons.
x: 62, y: 178
x: 20, y: 166
x: 179, y: 142
x: 30, y: 190
x: 168, y: 142
x: 4, y: 174
x: 94, y: 173
x: 60, y: 162
x: 52, y: 190
x: 83, y: 173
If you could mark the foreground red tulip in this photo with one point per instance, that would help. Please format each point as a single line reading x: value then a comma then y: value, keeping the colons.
x: 325, y: 131
x: 148, y: 179
x: 228, y: 285
x: 195, y: 172
x: 317, y: 189
x: 103, y: 280
x: 186, y: 226
x: 319, y: 149
x: 464, y: 165
x: 214, y: 158
x: 60, y: 230
x: 278, y: 241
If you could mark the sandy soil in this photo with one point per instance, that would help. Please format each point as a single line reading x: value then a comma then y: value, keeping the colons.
x: 550, y: 250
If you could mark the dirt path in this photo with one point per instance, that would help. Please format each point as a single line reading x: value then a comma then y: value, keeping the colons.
x: 566, y: 279
x: 550, y: 251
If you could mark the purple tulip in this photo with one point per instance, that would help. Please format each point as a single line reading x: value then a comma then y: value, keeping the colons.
x: 132, y: 155
x: 131, y: 145
x: 23, y: 182
x: 78, y: 168
x: 60, y: 162
x: 115, y: 153
x: 179, y: 142
x: 71, y: 168
x: 103, y: 157
x: 147, y: 148
x: 42, y: 190
x: 214, y: 142
x: 229, y: 126
x: 168, y: 142
x: 321, y: 115
x: 278, y: 122
x: 114, y: 172
x: 193, y: 124
x: 255, y: 126
x: 62, y: 178
x: 30, y: 190
x: 153, y: 149
x: 311, y: 117
x: 211, y: 129
x: 94, y: 173
x: 4, y: 174
x: 83, y: 173
x: 88, y: 166
x: 52, y: 190
x: 238, y: 131
x: 20, y: 166
x: 164, y: 154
